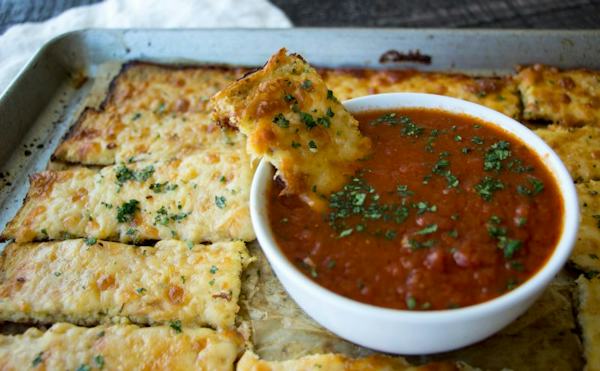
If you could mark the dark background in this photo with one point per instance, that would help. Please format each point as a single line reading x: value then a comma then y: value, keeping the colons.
x: 551, y: 14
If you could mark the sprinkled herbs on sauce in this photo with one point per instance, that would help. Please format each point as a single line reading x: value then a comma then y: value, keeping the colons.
x: 444, y: 199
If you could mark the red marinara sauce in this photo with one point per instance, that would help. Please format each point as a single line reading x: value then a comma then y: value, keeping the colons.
x: 446, y: 212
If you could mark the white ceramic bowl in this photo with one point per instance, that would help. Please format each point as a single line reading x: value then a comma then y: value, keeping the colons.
x: 414, y: 332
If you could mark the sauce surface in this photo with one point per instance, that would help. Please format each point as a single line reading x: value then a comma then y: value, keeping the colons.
x: 446, y: 212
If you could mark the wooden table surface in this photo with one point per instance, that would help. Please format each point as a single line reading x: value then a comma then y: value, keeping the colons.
x: 548, y: 14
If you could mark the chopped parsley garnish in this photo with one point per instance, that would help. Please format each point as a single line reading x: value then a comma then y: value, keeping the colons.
x: 329, y: 112
x: 306, y: 84
x: 507, y: 245
x: 346, y: 233
x: 312, y: 146
x: 281, y: 121
x: 488, y: 186
x: 324, y: 121
x: 140, y: 290
x: 163, y: 187
x: 220, y: 201
x: 330, y: 95
x: 521, y: 221
x: 516, y: 166
x: 213, y: 269
x: 390, y: 234
x: 457, y: 138
x: 517, y: 266
x: 307, y: 119
x: 415, y: 245
x: 136, y: 116
x: 38, y: 359
x: 289, y: 98
x: 84, y: 367
x: 388, y: 118
x: 90, y: 241
x: 127, y: 210
x: 296, y: 144
x: 410, y: 128
x: 423, y: 207
x: 163, y: 217
x: 124, y: 174
x: 495, y: 154
x: 537, y: 186
x: 442, y: 168
x: 176, y: 325
x: 432, y: 228
x: 99, y: 361
x: 477, y: 140
x: 453, y: 233
x: 411, y: 303
x: 403, y: 191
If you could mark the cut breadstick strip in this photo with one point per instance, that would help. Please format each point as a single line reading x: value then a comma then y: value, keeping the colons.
x: 201, y: 197
x: 335, y: 362
x: 294, y: 121
x: 90, y: 282
x: 120, y: 347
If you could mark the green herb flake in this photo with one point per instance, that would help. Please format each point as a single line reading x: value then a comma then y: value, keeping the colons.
x: 432, y: 228
x: 220, y: 201
x: 324, y: 121
x: 307, y: 119
x: 189, y: 244
x: 213, y: 269
x: 411, y: 303
x: 453, y: 233
x: 140, y: 290
x: 296, y: 144
x: 390, y: 234
x: 99, y: 361
x: 136, y: 116
x: 90, y: 241
x: 312, y: 146
x: 176, y: 325
x: 509, y: 246
x: 124, y: 174
x: 477, y: 140
x: 330, y: 95
x: 488, y: 186
x: 211, y: 282
x: 127, y: 210
x: 495, y: 154
x: 457, y: 138
x: 329, y: 112
x: 403, y: 191
x: 281, y: 121
x: 38, y: 359
x: 84, y: 367
x: 521, y: 221
x: 306, y: 84
x: 537, y: 186
x: 511, y: 284
x: 345, y: 233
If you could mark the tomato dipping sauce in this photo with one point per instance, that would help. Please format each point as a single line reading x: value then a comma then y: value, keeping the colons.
x: 447, y: 211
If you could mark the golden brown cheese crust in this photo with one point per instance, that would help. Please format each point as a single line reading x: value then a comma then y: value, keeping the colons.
x: 570, y: 97
x: 167, y: 89
x: 586, y: 254
x: 338, y: 362
x: 498, y: 93
x: 152, y: 112
x: 589, y: 320
x: 88, y: 282
x: 119, y: 347
x: 578, y: 148
x: 291, y: 119
x: 202, y: 197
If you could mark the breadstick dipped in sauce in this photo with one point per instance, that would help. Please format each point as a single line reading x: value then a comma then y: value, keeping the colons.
x: 293, y: 120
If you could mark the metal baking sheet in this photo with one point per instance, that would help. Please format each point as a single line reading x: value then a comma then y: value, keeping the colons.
x: 47, y: 96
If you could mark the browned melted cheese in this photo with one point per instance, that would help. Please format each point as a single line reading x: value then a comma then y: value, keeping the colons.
x: 570, y: 97
x: 293, y: 120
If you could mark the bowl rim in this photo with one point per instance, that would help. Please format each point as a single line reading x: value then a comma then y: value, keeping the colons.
x: 530, y: 288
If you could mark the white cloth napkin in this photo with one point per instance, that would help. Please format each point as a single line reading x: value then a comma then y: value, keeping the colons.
x: 20, y: 42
